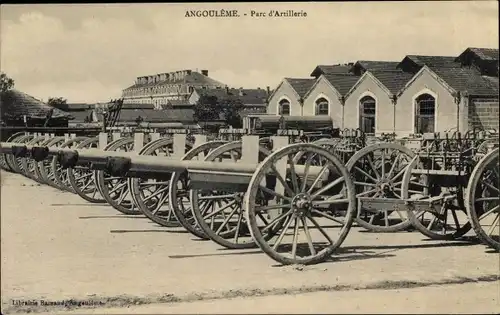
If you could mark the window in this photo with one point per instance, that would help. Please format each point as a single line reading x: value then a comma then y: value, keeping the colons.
x: 425, y: 108
x: 322, y: 106
x: 284, y: 108
x: 367, y: 107
x: 191, y: 89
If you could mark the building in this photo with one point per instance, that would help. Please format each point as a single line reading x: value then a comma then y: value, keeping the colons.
x: 254, y: 100
x: 288, y: 98
x: 160, y: 88
x: 20, y: 109
x: 447, y: 96
x: 81, y: 112
x: 415, y: 95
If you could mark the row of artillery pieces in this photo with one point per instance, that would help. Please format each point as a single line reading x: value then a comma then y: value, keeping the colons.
x: 295, y: 201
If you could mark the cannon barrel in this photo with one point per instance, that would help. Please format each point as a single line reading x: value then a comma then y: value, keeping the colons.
x: 144, y: 164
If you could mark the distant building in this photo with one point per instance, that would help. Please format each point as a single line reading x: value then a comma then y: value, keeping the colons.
x: 254, y: 100
x: 20, y: 109
x: 161, y: 88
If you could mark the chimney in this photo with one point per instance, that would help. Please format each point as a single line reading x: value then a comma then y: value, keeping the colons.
x: 204, y: 72
x: 268, y: 90
x: 227, y: 90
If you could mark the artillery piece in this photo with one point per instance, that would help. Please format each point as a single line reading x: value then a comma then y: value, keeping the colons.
x: 448, y: 186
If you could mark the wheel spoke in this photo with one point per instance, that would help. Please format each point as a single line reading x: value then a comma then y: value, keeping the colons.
x: 321, y: 213
x: 318, y: 177
x: 320, y: 228
x: 293, y: 174
x: 283, y: 232
x: 372, y: 166
x: 220, y: 210
x: 393, y: 167
x: 365, y: 184
x: 282, y: 181
x: 490, y: 186
x: 308, y: 236
x: 260, y: 209
x: 295, y: 238
x: 493, y: 225
x: 327, y: 187
x: 306, y: 173
x: 366, y: 174
x: 366, y: 193
x: 226, y: 221
x: 156, y: 193
x: 276, y: 220
x: 272, y: 192
x: 487, y: 213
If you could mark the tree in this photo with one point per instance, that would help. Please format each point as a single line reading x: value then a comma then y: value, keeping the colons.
x: 210, y: 108
x: 6, y: 83
x: 57, y: 101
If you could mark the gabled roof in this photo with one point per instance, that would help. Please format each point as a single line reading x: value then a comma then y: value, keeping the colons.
x: 301, y: 86
x: 342, y: 82
x: 246, y: 96
x: 430, y: 61
x: 15, y: 104
x: 193, y: 77
x: 467, y: 80
x: 392, y: 80
x: 328, y: 69
x: 374, y: 65
x: 432, y: 74
x: 483, y: 53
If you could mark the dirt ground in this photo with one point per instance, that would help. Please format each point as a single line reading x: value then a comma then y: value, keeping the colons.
x: 59, y: 249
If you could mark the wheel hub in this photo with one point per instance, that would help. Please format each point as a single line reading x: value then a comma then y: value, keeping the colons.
x: 384, y: 187
x: 301, y: 204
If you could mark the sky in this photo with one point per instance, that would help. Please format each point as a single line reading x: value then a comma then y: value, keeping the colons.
x: 90, y: 53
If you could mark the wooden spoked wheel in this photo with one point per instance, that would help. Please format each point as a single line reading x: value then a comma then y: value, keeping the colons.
x: 16, y: 164
x: 61, y: 178
x: 377, y: 171
x: 179, y: 190
x: 4, y: 157
x: 115, y: 189
x: 82, y: 179
x: 447, y: 218
x: 219, y: 213
x: 151, y: 195
x: 44, y: 168
x: 313, y: 212
x: 29, y: 166
x: 482, y: 199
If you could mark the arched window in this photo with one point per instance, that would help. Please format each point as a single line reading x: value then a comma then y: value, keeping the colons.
x: 191, y: 89
x: 425, y: 110
x: 367, y: 114
x: 284, y: 107
x: 322, y: 106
